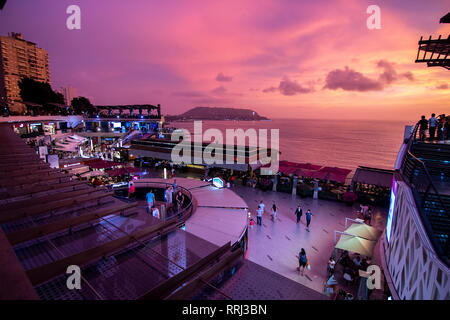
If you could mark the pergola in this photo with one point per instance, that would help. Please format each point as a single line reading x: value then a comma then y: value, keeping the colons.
x: 141, y: 107
x: 435, y: 52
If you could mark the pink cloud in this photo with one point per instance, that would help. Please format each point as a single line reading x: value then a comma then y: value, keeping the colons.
x: 223, y: 78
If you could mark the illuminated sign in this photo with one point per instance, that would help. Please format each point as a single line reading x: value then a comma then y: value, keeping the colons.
x: 217, y: 182
x: 391, y: 210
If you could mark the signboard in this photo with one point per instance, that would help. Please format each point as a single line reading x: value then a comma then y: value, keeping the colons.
x: 391, y: 210
x: 43, y: 151
x: 218, y: 183
x: 53, y: 160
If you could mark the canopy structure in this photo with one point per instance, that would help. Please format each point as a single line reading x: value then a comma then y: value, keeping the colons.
x: 373, y: 176
x: 300, y: 169
x: 356, y: 244
x: 122, y: 171
x: 92, y: 174
x: 362, y: 230
x: 332, y: 173
x: 103, y: 164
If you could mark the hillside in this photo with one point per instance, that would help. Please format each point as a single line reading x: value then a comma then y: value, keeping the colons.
x: 217, y: 113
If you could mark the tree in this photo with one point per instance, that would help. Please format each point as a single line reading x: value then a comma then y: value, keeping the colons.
x: 81, y: 105
x: 38, y: 92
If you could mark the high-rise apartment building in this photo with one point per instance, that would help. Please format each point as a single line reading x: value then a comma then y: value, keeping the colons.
x: 69, y: 93
x: 19, y: 58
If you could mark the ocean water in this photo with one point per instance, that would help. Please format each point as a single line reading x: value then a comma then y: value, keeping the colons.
x: 341, y: 143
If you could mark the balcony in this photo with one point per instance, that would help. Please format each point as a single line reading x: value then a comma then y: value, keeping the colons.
x: 426, y: 168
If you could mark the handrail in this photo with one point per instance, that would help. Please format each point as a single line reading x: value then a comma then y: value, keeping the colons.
x: 177, y: 214
x: 430, y: 180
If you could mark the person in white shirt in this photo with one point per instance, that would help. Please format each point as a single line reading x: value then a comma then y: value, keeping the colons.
x: 259, y: 213
x: 155, y: 212
x: 432, y: 124
x: 261, y: 204
x: 331, y: 264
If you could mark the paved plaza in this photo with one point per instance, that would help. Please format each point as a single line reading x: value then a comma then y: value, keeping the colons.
x: 276, y: 245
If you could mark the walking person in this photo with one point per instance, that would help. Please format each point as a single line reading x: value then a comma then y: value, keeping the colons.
x: 308, y: 218
x: 174, y: 185
x: 131, y: 191
x: 259, y: 213
x: 298, y: 212
x: 262, y: 205
x: 423, y: 127
x: 274, y: 212
x: 368, y: 216
x: 150, y: 196
x: 302, y: 261
x: 331, y: 264
x: 432, y: 122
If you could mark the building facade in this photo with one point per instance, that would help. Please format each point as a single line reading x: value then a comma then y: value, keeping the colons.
x: 19, y: 58
x: 69, y: 93
x: 414, y: 269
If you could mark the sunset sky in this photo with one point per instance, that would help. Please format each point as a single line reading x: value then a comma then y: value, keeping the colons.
x: 281, y: 58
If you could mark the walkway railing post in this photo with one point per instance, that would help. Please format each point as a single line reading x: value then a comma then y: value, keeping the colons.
x: 294, y: 185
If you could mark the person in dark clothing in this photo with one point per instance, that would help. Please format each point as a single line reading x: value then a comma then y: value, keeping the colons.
x: 179, y: 199
x: 423, y: 127
x: 298, y: 213
x: 308, y: 218
x: 302, y: 261
x: 274, y: 212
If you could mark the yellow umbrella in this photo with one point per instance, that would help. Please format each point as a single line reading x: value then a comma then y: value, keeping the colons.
x: 362, y: 230
x: 356, y: 244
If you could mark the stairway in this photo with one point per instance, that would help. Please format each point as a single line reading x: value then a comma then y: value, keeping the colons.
x: 438, y: 219
x: 436, y: 157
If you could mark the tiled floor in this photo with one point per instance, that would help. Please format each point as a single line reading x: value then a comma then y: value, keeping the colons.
x: 275, y: 245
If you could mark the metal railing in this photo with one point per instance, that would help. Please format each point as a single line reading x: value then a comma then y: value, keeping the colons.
x: 181, y: 214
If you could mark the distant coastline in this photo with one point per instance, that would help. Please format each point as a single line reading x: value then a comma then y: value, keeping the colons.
x: 217, y: 113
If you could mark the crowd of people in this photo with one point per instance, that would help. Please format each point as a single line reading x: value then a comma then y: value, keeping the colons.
x: 437, y: 128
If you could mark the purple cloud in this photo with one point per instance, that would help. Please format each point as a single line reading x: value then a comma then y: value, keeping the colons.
x: 288, y: 87
x: 389, y: 74
x: 223, y: 78
x: 351, y: 80
x: 219, y: 90
x: 442, y: 86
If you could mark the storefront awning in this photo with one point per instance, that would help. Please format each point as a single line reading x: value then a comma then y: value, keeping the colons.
x: 103, y: 164
x: 374, y: 176
x: 332, y: 173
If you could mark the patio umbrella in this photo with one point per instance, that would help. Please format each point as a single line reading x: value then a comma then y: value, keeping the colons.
x: 356, y: 244
x: 362, y: 230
